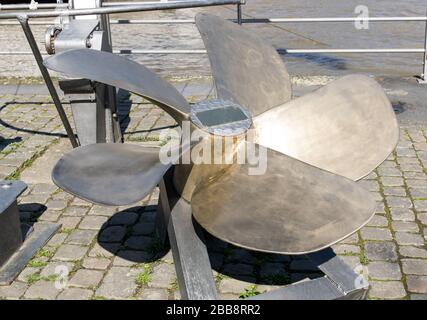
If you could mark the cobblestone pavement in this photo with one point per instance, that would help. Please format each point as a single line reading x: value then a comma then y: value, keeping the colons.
x: 111, y: 253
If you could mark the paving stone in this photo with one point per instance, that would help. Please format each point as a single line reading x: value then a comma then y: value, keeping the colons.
x: 143, y: 229
x: 42, y: 290
x: 69, y: 252
x: 411, y: 167
x: 123, y: 218
x: 378, y: 221
x: 398, y: 202
x: 43, y: 188
x: 404, y: 238
x: 413, y: 252
x: 392, y: 181
x: 80, y: 203
x: 86, y: 278
x: 416, y: 183
x: 13, y: 291
x: 24, y: 274
x: 380, y: 270
x: 385, y: 251
x: 417, y: 284
x: 414, y: 266
x: 418, y: 193
x: 405, y: 152
x: 387, y: 290
x: 75, y: 294
x: 127, y: 258
x: 34, y: 202
x: 69, y: 222
x: 93, y: 222
x: 76, y: 211
x: 102, y: 249
x: 96, y: 263
x: 418, y: 296
x: 139, y: 243
x: 56, y: 268
x: 50, y: 215
x: 230, y: 285
x: 369, y: 233
x: 389, y: 172
x: 400, y: 214
x: 118, y: 283
x: 56, y: 204
x: 420, y: 205
x: 57, y: 240
x: 346, y: 249
x: 153, y: 294
x: 112, y: 234
x: 405, y: 226
x: 422, y: 217
x: 81, y: 237
x: 395, y: 191
x: 102, y: 211
x: 163, y: 276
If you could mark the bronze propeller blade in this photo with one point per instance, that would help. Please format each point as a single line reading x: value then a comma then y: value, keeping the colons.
x: 110, y: 173
x: 347, y: 127
x: 122, y: 73
x: 294, y: 208
x: 246, y: 70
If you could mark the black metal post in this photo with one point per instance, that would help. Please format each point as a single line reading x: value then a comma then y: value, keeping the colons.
x: 23, y: 20
x: 239, y: 14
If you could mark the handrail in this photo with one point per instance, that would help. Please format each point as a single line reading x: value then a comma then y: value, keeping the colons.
x: 120, y: 9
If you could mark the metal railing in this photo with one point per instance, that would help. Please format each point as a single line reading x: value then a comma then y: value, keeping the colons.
x: 117, y: 7
x: 24, y: 16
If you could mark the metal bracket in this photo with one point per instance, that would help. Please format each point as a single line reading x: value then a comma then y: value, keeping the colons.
x: 17, y: 247
x: 194, y: 272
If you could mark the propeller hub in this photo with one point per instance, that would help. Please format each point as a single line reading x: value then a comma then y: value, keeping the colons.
x: 221, y: 117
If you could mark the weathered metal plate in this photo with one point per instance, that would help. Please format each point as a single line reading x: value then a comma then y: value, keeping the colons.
x: 110, y: 173
x: 347, y: 127
x: 121, y: 73
x: 246, y: 70
x: 293, y: 208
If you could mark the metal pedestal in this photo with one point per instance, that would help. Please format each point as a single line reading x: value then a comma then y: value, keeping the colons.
x: 18, y: 243
x: 194, y: 272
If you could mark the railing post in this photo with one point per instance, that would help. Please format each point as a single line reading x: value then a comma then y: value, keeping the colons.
x: 239, y: 12
x: 23, y: 20
x: 425, y: 56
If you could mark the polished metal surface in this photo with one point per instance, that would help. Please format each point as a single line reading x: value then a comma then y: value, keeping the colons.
x: 121, y: 73
x: 246, y: 70
x: 348, y: 127
x: 293, y: 208
x: 110, y: 173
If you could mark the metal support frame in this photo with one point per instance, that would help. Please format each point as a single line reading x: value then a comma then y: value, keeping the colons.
x: 18, y: 242
x: 194, y: 271
x: 23, y: 19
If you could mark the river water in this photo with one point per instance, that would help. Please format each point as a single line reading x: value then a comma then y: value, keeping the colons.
x: 291, y: 35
